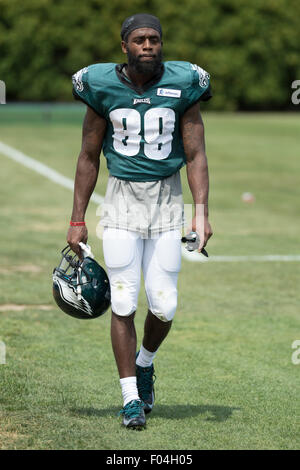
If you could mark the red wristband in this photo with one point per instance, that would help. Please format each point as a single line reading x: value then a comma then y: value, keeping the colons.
x: 76, y: 224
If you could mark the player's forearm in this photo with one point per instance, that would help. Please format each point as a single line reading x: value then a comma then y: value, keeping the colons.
x: 198, y: 179
x: 85, y: 181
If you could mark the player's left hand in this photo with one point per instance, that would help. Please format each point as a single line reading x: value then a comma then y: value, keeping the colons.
x: 204, y: 231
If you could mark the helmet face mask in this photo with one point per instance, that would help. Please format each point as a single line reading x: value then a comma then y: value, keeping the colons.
x: 68, y: 268
x: 80, y: 287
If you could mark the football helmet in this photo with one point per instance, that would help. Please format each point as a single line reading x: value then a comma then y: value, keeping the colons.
x: 81, y: 287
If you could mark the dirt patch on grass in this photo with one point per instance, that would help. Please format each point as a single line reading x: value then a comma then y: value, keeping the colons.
x: 48, y: 227
x: 21, y: 308
x: 7, y: 439
x: 23, y: 268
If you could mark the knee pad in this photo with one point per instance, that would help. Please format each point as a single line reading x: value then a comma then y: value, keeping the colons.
x: 161, y: 265
x: 163, y: 303
x: 121, y: 299
x: 122, y: 253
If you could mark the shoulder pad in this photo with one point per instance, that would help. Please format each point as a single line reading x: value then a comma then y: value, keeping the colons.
x: 200, y: 75
x: 77, y: 79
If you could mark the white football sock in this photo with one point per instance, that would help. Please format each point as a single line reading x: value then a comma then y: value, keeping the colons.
x: 145, y: 358
x: 129, y: 389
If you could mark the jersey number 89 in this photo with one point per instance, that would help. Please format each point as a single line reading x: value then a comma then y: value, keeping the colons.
x: 159, y: 125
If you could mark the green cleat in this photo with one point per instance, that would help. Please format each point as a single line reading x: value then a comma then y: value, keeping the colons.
x: 134, y: 415
x: 145, y: 385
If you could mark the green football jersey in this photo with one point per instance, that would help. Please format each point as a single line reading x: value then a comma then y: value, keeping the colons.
x: 143, y: 141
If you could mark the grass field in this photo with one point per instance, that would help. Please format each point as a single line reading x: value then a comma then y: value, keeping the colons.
x: 225, y: 378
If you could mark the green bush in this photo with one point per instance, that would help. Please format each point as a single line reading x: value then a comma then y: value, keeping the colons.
x: 251, y: 49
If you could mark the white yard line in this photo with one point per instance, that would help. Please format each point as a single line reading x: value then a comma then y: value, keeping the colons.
x: 196, y: 257
x: 68, y: 183
x: 42, y: 169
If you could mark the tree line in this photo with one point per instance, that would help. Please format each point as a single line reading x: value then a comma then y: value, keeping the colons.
x: 251, y: 49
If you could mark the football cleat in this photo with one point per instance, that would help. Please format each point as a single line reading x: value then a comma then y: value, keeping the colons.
x: 145, y: 384
x: 81, y: 287
x: 134, y: 415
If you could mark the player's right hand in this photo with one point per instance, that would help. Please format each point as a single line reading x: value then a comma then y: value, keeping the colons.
x: 76, y: 235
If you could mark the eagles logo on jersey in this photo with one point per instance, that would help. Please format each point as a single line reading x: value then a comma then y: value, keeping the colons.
x: 203, y: 75
x: 77, y: 79
x: 143, y: 139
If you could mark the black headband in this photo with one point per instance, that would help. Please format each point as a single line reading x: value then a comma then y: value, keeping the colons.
x: 141, y: 20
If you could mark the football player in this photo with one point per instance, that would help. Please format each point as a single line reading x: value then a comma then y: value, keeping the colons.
x: 144, y: 115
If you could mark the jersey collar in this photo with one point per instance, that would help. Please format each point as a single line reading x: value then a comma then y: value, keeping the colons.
x: 140, y: 90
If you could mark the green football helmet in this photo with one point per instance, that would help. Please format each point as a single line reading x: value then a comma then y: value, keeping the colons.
x: 81, y: 287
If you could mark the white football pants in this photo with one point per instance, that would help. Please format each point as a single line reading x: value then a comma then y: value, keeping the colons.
x: 126, y: 253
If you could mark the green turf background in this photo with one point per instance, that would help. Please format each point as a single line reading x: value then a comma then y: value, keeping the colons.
x: 225, y: 379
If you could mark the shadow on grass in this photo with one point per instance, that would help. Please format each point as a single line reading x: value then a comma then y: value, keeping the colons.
x: 213, y: 412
